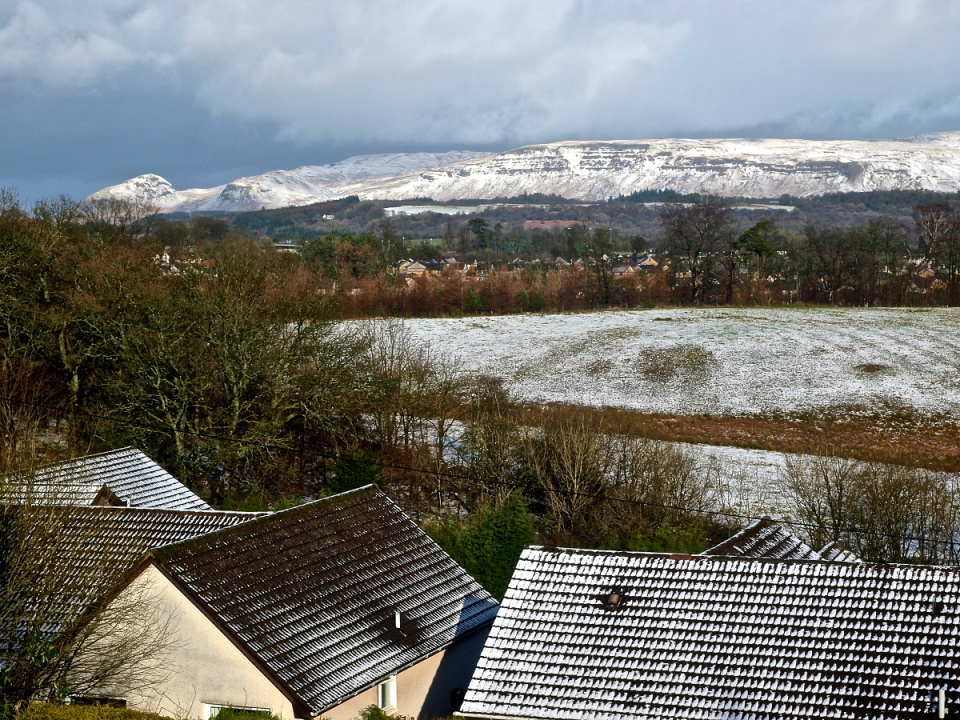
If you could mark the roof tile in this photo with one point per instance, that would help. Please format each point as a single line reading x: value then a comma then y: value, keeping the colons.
x: 131, y: 477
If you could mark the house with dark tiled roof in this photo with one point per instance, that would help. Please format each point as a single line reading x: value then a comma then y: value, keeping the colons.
x: 61, y: 563
x: 124, y: 477
x: 322, y: 609
x: 585, y: 634
x: 769, y: 539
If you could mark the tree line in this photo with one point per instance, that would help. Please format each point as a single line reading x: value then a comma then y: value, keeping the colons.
x: 704, y: 257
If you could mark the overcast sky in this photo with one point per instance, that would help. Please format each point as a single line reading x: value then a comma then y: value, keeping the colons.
x: 205, y: 91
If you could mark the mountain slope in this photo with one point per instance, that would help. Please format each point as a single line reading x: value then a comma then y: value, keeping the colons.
x: 283, y: 188
x: 590, y: 171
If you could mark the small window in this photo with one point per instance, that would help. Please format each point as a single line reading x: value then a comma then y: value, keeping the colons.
x: 387, y: 693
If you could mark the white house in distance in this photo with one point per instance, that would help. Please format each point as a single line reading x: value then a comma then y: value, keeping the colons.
x: 319, y: 610
x: 588, y: 634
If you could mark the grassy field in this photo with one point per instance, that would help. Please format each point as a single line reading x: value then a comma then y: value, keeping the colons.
x: 876, y: 384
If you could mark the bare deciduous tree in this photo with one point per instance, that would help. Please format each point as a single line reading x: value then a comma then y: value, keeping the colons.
x: 604, y: 490
x: 883, y: 513
x: 694, y: 234
x: 59, y: 633
x: 126, y: 217
x: 489, y: 448
x: 938, y: 235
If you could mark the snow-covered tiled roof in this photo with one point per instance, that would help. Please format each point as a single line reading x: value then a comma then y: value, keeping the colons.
x: 122, y: 535
x: 838, y: 552
x: 765, y: 538
x: 707, y: 637
x: 312, y: 592
x: 768, y: 539
x: 127, y: 475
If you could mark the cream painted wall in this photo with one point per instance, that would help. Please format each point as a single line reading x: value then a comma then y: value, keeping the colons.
x: 205, y: 667
x: 424, y: 691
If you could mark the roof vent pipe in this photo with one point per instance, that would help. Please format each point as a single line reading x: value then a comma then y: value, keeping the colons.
x: 396, y: 624
x: 938, y: 702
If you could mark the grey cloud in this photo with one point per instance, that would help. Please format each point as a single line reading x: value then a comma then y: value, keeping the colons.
x: 325, y: 76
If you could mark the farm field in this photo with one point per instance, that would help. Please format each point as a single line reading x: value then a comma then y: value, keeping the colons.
x: 719, y: 361
x: 879, y: 385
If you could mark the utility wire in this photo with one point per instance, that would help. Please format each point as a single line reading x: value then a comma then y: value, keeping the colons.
x: 489, y: 481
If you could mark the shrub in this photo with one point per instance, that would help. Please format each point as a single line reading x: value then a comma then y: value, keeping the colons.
x: 232, y: 713
x: 372, y: 712
x: 488, y: 545
x: 48, y: 711
x: 354, y: 470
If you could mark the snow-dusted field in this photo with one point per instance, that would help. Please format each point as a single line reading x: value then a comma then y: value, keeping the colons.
x: 719, y: 361
x: 746, y: 481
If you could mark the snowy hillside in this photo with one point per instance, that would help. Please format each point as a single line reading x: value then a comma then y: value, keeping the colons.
x: 590, y: 171
x: 284, y: 188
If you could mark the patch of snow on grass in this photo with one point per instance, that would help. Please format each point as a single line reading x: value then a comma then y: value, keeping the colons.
x: 718, y: 361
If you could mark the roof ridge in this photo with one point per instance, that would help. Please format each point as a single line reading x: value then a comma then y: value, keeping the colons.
x: 264, y: 516
x: 91, y: 456
x: 310, y: 503
x: 728, y: 558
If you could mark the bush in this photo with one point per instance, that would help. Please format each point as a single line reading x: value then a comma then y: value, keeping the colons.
x: 488, y: 545
x: 372, y: 712
x: 47, y: 711
x: 354, y: 470
x: 231, y: 713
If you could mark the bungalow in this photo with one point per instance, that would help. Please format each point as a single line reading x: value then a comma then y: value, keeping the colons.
x: 124, y: 477
x: 412, y: 269
x: 60, y: 567
x: 601, y: 634
x: 322, y: 609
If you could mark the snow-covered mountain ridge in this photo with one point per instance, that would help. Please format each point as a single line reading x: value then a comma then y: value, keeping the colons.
x: 588, y: 171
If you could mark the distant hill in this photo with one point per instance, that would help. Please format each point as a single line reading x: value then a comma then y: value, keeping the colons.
x: 588, y: 171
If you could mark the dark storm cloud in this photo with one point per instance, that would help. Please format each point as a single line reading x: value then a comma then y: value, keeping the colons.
x: 202, y: 91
